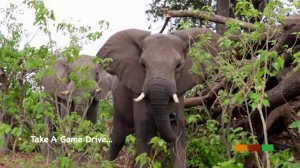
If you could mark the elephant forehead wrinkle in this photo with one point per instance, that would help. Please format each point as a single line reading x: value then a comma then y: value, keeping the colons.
x: 163, y: 43
x: 156, y: 39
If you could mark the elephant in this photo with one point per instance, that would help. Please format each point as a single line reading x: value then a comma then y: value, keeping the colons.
x: 69, y: 85
x: 152, y: 74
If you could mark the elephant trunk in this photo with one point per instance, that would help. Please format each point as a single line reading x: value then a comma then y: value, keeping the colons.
x: 159, y: 93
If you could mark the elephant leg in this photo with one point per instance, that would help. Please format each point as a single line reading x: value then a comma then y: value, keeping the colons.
x: 144, y: 127
x: 91, y: 114
x: 178, y: 147
x: 48, y: 152
x: 48, y: 148
x: 119, y: 133
x: 122, y: 117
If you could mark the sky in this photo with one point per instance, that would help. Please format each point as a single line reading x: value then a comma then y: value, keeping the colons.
x: 119, y: 13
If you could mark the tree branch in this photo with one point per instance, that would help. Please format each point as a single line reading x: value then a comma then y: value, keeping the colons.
x: 198, y: 101
x: 287, y: 90
x: 207, y: 16
x: 165, y: 24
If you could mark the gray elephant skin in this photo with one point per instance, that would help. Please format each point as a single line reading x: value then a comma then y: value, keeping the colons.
x: 152, y: 76
x: 67, y: 94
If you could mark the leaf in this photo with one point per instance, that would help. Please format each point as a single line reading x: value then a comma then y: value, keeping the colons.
x: 156, y: 165
x: 4, y: 128
x: 266, y: 103
x: 295, y: 124
x: 142, y: 159
x: 191, y: 119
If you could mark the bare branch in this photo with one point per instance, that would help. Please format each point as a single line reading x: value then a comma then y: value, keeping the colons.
x: 165, y: 24
x: 287, y: 37
x: 207, y: 16
x: 197, y: 101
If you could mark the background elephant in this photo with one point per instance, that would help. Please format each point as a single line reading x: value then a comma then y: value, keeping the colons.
x: 76, y: 86
x: 155, y: 69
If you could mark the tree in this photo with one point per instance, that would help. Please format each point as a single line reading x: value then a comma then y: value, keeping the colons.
x: 258, y: 68
x: 158, y: 7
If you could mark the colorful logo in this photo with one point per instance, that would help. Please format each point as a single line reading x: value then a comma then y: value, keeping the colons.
x: 253, y: 148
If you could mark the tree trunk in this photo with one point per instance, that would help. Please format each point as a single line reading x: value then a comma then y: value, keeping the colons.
x: 223, y: 9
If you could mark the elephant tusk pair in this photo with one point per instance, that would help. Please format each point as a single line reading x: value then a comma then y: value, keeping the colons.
x: 142, y: 96
x: 98, y: 90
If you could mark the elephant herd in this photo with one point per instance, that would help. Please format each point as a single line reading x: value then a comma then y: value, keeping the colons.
x: 148, y: 76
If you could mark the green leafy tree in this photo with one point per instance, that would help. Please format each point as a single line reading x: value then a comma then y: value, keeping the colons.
x: 22, y: 107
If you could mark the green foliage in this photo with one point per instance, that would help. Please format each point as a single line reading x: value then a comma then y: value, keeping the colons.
x: 161, y: 153
x: 246, y: 9
x: 283, y: 159
x: 21, y: 97
x: 231, y: 163
x: 296, y: 124
x: 107, y: 164
x: 246, y: 64
x: 205, y: 148
x: 42, y: 13
x: 64, y: 162
x: 159, y: 145
x: 200, y: 48
x: 159, y: 148
x: 130, y: 144
x: 142, y: 159
x: 22, y: 100
x: 296, y: 57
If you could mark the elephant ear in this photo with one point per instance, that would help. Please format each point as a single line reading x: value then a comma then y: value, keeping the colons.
x: 56, y: 83
x: 187, y: 80
x: 124, y: 48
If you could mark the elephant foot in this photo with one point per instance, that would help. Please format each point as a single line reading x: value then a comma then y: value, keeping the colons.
x: 114, y: 151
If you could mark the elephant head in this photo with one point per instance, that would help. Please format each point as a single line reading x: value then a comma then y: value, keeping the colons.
x: 155, y: 67
x: 79, y: 81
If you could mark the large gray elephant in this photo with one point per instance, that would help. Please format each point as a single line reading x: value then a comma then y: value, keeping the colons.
x: 152, y: 76
x: 78, y: 86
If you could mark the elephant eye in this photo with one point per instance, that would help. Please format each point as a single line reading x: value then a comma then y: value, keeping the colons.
x: 97, y: 76
x: 142, y: 64
x: 178, y: 67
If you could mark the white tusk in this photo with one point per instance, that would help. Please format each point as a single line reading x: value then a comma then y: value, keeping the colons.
x: 175, y: 98
x: 98, y: 90
x: 140, y: 97
x: 66, y: 92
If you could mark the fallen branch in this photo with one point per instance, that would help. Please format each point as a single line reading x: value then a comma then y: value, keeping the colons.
x: 202, y: 15
x: 207, y: 16
x: 198, y: 101
x: 286, y: 38
x: 284, y: 112
x: 287, y: 90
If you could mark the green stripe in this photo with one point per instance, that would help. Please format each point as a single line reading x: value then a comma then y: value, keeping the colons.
x: 267, y: 147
